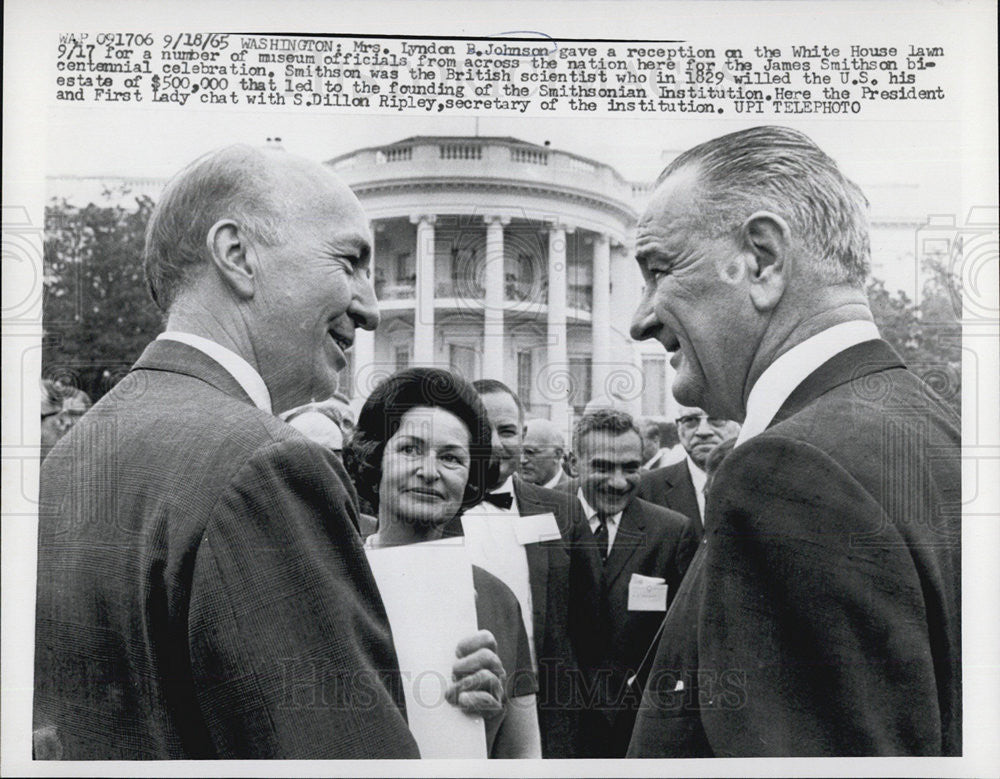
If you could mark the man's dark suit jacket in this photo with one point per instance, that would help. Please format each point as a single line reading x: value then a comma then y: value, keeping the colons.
x: 610, y: 640
x: 548, y: 578
x: 202, y: 589
x: 821, y: 615
x: 672, y: 488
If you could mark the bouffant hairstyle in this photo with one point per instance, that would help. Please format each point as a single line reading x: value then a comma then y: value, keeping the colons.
x: 382, y: 413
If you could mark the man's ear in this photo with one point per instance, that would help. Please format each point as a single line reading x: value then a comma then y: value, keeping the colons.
x: 767, y: 238
x: 571, y: 465
x: 228, y: 247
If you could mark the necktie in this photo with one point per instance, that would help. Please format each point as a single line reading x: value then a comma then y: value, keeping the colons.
x: 601, y: 537
x: 502, y: 500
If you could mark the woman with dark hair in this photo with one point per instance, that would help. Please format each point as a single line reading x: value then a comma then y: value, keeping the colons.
x: 421, y: 454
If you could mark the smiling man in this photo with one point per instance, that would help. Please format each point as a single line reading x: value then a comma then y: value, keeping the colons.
x: 619, y: 540
x: 822, y: 614
x: 202, y: 589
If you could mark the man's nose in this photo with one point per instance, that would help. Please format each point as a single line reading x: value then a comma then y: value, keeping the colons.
x: 644, y: 321
x: 703, y: 427
x: 618, y: 481
x: 364, y: 305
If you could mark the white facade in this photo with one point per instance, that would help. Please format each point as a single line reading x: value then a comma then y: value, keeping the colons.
x: 506, y: 260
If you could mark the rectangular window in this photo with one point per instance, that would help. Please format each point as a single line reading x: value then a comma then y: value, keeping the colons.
x: 402, y: 357
x: 404, y: 266
x: 654, y: 394
x: 466, y: 273
x: 463, y: 361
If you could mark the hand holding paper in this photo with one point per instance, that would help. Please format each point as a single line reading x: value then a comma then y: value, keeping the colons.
x: 479, y: 676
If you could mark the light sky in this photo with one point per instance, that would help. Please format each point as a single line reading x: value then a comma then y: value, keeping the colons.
x: 157, y: 141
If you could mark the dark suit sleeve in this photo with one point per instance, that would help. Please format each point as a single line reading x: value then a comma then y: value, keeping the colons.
x: 813, y: 639
x: 290, y: 647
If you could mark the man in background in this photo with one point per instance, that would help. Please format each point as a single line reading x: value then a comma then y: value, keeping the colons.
x: 629, y: 558
x: 681, y: 487
x: 62, y: 408
x: 658, y: 452
x: 542, y: 453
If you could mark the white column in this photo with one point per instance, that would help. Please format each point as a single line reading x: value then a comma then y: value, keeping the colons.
x: 626, y: 291
x: 556, y: 380
x: 423, y: 311
x: 493, y: 343
x: 638, y: 289
x: 601, y: 316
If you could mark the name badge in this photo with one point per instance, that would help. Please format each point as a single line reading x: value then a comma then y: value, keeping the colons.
x: 647, y: 593
x: 536, y: 528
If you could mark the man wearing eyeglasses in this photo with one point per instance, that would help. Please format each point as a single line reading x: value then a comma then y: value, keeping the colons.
x: 681, y: 486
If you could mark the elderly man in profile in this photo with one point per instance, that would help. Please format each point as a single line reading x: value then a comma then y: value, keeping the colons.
x: 543, y: 450
x: 822, y: 614
x: 202, y: 588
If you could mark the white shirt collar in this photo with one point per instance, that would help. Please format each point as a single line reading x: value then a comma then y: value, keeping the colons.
x: 782, y: 376
x: 591, y: 512
x: 698, y: 476
x: 507, y: 488
x: 592, y: 520
x: 552, y: 483
x: 236, y: 366
x: 698, y: 479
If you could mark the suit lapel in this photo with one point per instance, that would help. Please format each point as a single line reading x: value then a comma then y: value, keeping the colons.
x: 687, y: 503
x: 631, y: 535
x: 176, y: 357
x: 685, y: 499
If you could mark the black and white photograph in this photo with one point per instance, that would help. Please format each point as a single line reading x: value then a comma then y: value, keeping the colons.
x: 606, y: 386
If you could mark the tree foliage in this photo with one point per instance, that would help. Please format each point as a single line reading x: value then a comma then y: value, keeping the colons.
x: 97, y: 315
x: 928, y: 335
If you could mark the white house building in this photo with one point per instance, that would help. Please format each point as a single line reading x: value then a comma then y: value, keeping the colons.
x: 507, y: 260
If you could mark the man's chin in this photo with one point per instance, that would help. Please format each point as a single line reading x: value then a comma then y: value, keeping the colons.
x: 688, y: 390
x: 611, y: 508
x: 504, y: 475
